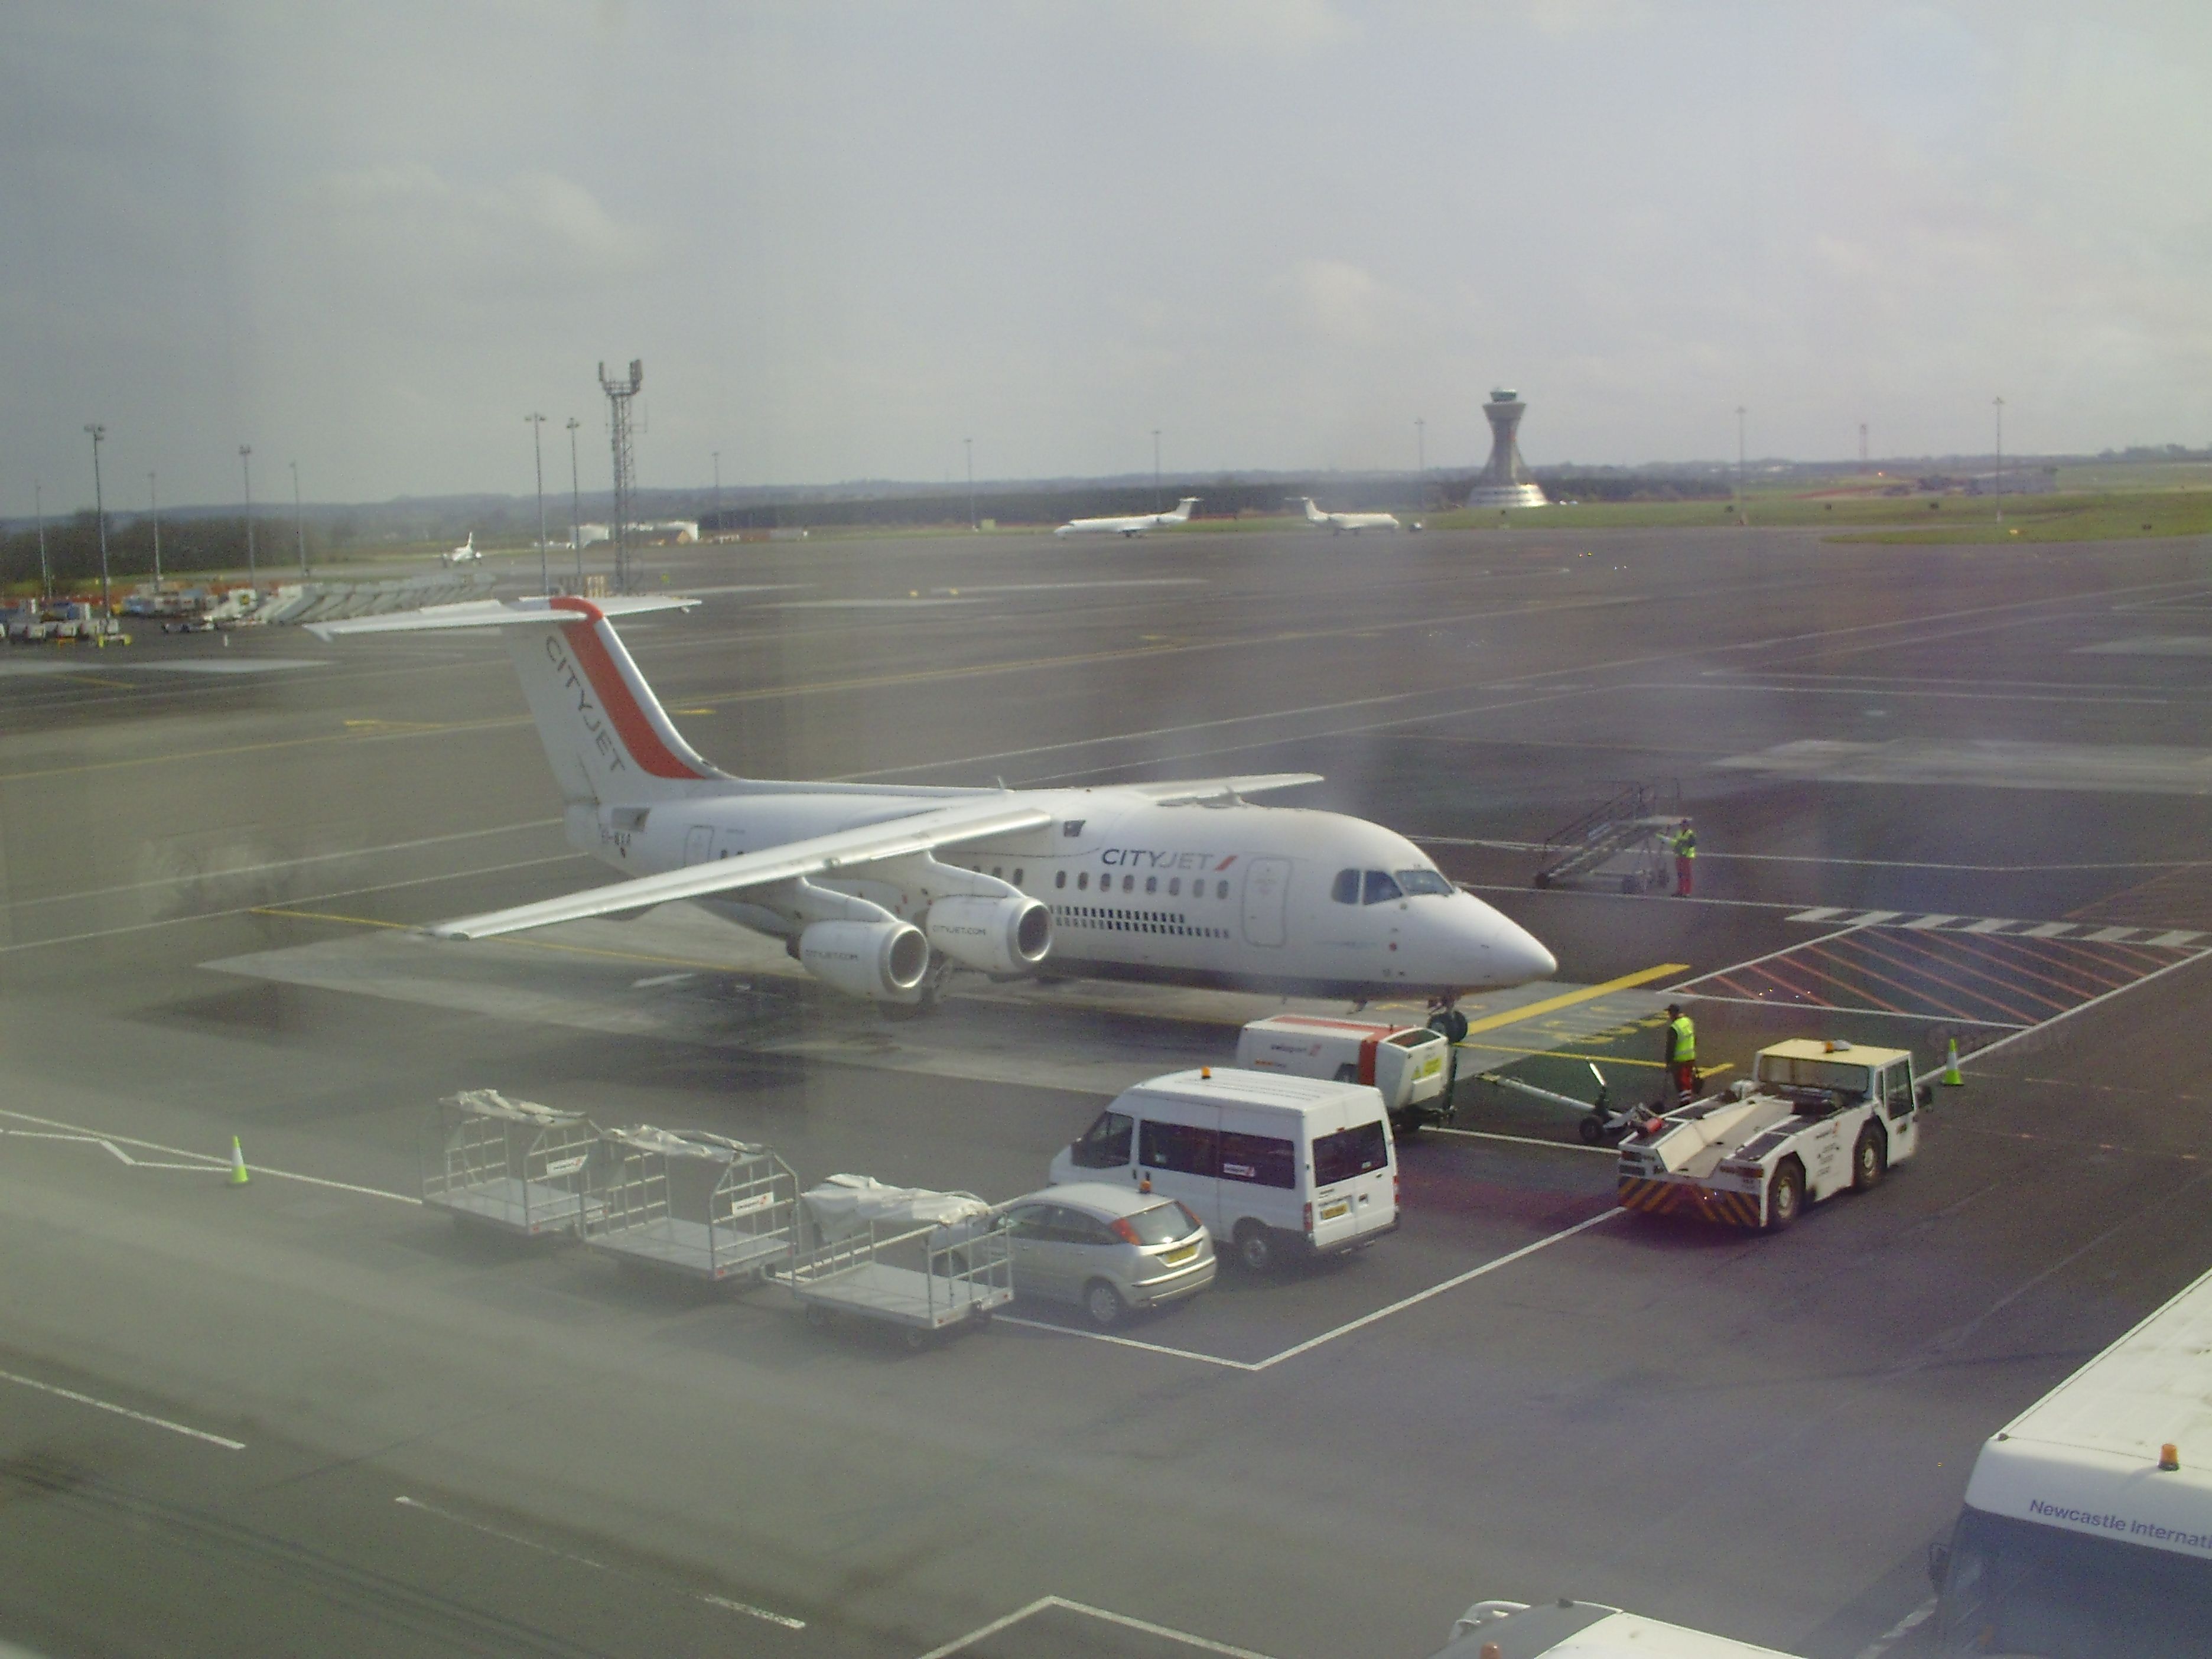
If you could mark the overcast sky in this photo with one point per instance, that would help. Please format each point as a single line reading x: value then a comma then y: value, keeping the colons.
x: 370, y: 239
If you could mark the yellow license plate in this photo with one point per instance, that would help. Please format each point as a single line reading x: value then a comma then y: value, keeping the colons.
x: 1177, y: 1258
x: 1332, y: 1210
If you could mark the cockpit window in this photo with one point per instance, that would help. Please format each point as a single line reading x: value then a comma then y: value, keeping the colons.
x: 1413, y: 882
x: 1345, y: 888
x: 1381, y: 890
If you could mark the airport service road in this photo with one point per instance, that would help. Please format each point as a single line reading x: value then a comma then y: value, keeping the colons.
x: 1925, y: 781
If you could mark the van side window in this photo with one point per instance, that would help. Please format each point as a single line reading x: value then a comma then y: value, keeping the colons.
x: 1105, y: 1144
x: 1260, y: 1160
x: 1381, y: 890
x: 1348, y: 1152
x: 1345, y: 889
x: 1179, y: 1147
x: 1897, y: 1088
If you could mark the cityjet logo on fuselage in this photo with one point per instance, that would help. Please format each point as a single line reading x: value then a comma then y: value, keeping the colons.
x: 1145, y: 858
x: 587, y: 712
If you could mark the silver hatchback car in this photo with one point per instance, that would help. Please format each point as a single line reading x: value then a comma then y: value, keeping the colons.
x: 1109, y: 1249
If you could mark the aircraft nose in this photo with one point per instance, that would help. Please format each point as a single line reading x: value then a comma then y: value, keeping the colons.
x: 1508, y: 953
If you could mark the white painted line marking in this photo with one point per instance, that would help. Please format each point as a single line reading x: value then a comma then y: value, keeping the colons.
x: 1784, y: 1004
x: 1818, y: 913
x: 1897, y: 1632
x: 1931, y: 922
x: 660, y: 979
x: 209, y: 1165
x: 1875, y: 918
x: 76, y: 1132
x: 1990, y: 924
x: 2083, y: 1007
x: 2110, y: 935
x: 122, y: 1411
x: 2179, y: 936
x: 1044, y: 1603
x: 1737, y: 968
x: 746, y: 1607
x: 1345, y: 1330
x: 2048, y: 930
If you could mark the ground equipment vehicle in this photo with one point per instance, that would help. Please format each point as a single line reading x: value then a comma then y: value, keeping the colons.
x: 1272, y: 1164
x: 1814, y: 1118
x: 1110, y: 1249
x: 926, y: 1261
x: 2086, y: 1529
x: 1585, y: 1629
x: 1409, y: 1065
x: 1601, y: 1123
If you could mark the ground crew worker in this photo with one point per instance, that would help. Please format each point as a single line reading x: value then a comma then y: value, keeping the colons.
x: 1682, y: 1052
x: 1686, y: 853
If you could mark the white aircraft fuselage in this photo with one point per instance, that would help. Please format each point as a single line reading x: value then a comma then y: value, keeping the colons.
x: 879, y: 890
x: 1212, y: 894
x: 1355, y: 522
x: 1133, y: 525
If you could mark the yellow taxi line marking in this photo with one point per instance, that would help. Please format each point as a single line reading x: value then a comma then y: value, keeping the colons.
x: 1569, y: 999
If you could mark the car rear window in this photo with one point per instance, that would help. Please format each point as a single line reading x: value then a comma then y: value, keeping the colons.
x: 1163, y: 1223
x: 1349, y: 1153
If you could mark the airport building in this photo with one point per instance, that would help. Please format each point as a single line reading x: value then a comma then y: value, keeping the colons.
x: 1505, y: 481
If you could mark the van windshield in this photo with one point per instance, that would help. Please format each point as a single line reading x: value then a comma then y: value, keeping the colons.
x: 1851, y: 1078
x: 2017, y: 1587
x: 1105, y: 1144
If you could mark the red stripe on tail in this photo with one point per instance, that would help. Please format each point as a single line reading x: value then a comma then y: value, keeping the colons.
x: 632, y: 724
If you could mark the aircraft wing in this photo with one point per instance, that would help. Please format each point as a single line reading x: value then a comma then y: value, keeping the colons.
x: 1178, y: 794
x: 918, y: 832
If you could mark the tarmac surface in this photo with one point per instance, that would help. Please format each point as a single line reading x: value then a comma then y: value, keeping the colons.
x: 1942, y: 793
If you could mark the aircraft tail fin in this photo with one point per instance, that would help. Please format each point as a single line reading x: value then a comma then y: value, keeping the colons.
x: 606, y: 736
x: 1314, y: 514
x: 1182, y: 513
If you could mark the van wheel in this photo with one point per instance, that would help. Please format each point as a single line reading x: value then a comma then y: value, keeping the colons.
x: 1256, y: 1248
x: 1102, y: 1304
x: 1869, y: 1160
x: 1785, y: 1196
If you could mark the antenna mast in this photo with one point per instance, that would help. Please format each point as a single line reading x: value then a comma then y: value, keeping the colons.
x: 619, y: 394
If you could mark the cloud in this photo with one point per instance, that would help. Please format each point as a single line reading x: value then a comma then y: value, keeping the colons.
x: 416, y: 223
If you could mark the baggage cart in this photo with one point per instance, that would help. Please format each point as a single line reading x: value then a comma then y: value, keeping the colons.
x: 689, y: 1202
x: 510, y: 1164
x: 926, y: 1261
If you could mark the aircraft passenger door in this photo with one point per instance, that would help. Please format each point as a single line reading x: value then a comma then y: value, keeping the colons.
x: 699, y: 843
x: 1266, y: 901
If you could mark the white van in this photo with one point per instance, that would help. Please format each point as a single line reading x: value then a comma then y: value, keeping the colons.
x: 1410, y: 1066
x: 2087, y: 1530
x: 1270, y: 1164
x: 1583, y: 1629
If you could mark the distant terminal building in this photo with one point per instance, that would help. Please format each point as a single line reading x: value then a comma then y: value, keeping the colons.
x: 1505, y: 481
x: 668, y: 530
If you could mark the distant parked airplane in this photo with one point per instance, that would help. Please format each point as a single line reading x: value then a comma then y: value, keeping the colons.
x: 466, y: 553
x: 1136, y: 526
x: 1340, y: 522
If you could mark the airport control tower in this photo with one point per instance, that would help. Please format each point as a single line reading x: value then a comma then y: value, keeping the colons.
x: 1505, y: 481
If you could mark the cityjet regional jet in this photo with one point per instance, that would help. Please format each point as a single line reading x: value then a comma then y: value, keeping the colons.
x: 467, y: 553
x: 879, y: 890
x: 1355, y: 522
x: 1131, y: 526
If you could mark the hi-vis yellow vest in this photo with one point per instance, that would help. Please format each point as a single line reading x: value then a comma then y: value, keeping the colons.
x: 1685, y: 1039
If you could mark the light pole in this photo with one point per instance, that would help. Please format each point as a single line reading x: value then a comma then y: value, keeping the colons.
x: 299, y: 520
x: 974, y: 523
x: 246, y: 472
x: 538, y: 452
x: 38, y: 507
x: 1155, y: 469
x: 718, y: 492
x: 1741, y: 517
x: 1421, y: 445
x: 1999, y: 406
x: 99, y: 512
x: 153, y: 500
x: 575, y: 504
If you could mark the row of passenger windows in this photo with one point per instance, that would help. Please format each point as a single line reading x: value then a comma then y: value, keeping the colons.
x: 1380, y: 886
x: 1261, y: 1160
x: 1106, y: 882
x: 1132, y: 922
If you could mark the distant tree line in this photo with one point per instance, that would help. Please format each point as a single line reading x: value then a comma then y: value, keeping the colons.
x: 189, y: 544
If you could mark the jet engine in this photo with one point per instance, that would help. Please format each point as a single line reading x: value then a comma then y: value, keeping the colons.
x: 999, y: 936
x: 883, y: 961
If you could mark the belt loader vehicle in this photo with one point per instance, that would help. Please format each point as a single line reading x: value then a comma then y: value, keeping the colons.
x: 1813, y: 1119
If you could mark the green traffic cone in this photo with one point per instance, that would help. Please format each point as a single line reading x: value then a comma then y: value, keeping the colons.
x: 1951, y: 1077
x: 238, y: 1175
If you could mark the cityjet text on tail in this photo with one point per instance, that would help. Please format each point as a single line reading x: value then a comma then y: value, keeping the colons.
x: 1354, y: 522
x: 881, y: 891
x: 1130, y: 526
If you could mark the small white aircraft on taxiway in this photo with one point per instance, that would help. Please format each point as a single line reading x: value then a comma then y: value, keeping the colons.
x: 880, y: 890
x: 1340, y: 522
x: 466, y: 553
x: 1136, y: 526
